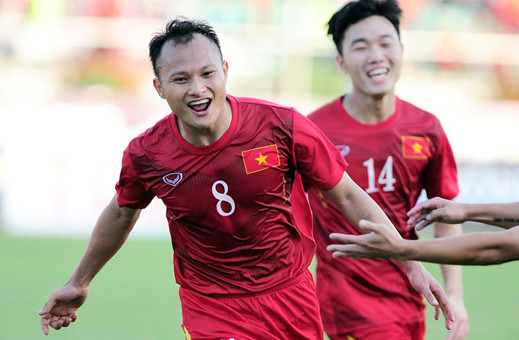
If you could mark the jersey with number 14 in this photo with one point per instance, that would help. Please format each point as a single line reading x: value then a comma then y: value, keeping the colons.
x: 238, y: 216
x: 392, y: 161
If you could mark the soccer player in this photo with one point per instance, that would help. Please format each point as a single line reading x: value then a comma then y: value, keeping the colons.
x: 470, y: 249
x: 394, y: 150
x: 229, y: 171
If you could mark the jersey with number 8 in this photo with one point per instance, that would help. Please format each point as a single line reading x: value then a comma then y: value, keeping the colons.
x: 235, y: 207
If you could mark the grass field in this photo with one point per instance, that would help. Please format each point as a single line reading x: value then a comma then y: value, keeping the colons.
x: 135, y: 297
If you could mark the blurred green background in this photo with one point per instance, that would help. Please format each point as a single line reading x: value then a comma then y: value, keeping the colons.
x: 135, y: 297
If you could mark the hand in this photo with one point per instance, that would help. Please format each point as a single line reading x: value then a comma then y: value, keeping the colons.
x: 377, y: 240
x: 435, y: 210
x: 460, y: 328
x: 425, y: 283
x: 60, y: 309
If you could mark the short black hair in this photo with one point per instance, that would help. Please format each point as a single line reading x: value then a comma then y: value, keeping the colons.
x: 355, y: 11
x: 180, y: 31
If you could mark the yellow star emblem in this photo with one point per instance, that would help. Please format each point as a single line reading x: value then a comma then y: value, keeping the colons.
x: 261, y: 159
x: 417, y: 148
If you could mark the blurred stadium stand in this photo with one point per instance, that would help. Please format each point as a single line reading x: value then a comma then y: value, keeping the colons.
x: 76, y: 85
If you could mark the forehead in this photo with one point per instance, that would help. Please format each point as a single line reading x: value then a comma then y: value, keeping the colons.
x: 197, y: 53
x: 370, y: 28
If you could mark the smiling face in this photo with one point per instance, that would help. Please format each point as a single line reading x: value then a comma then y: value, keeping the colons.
x: 372, y: 56
x: 192, y: 80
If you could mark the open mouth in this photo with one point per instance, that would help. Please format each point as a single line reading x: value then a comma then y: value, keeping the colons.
x: 199, y: 105
x: 378, y: 73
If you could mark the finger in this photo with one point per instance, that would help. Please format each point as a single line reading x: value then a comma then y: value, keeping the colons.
x: 45, y: 324
x: 437, y: 312
x: 368, y: 226
x: 446, y: 309
x: 344, y: 248
x: 56, y: 324
x: 66, y: 321
x: 422, y: 224
x: 47, y: 307
x: 415, y: 218
x: 432, y: 203
x: 342, y: 238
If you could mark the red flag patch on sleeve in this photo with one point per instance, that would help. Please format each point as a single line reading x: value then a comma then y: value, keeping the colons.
x: 416, y: 147
x: 261, y: 158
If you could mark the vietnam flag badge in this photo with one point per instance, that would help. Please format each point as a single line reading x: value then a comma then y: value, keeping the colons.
x: 261, y: 158
x: 416, y: 147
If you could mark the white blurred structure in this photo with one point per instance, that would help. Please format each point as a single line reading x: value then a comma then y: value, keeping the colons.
x: 60, y: 153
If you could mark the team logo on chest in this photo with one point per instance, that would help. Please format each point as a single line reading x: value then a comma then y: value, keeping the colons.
x: 343, y: 149
x: 173, y: 178
x: 416, y: 147
x: 259, y: 159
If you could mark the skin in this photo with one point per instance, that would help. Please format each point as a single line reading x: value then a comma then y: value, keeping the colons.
x: 469, y: 249
x: 372, y: 55
x: 193, y: 72
x: 189, y: 73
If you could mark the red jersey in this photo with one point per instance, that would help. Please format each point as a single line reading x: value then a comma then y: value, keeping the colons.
x: 238, y: 217
x: 392, y: 161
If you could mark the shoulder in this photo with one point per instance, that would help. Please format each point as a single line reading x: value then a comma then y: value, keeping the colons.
x: 261, y: 105
x: 326, y: 110
x: 153, y: 136
x: 412, y: 111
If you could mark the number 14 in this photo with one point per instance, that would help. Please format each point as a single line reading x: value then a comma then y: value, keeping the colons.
x: 385, y: 178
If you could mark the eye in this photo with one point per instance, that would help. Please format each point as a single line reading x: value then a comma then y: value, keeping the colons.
x: 359, y: 47
x: 386, y: 43
x: 208, y: 73
x: 179, y: 80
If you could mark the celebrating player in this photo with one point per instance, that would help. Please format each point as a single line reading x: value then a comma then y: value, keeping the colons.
x: 470, y: 249
x: 229, y: 172
x: 394, y: 150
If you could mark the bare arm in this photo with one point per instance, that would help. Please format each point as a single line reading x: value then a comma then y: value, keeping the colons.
x: 356, y: 205
x: 110, y: 233
x: 469, y: 249
x: 504, y: 215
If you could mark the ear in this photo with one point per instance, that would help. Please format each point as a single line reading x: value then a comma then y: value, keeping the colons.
x: 225, y: 67
x: 158, y: 88
x: 339, y: 60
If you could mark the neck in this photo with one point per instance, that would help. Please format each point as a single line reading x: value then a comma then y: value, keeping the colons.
x: 368, y: 109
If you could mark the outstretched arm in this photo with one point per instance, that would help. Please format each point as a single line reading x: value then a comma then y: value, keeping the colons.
x: 440, y: 210
x: 110, y: 233
x: 356, y: 205
x: 469, y: 249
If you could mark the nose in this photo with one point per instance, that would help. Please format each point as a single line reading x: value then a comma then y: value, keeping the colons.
x: 375, y: 54
x: 197, y: 86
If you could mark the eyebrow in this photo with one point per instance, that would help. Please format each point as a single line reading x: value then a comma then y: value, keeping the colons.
x: 181, y: 73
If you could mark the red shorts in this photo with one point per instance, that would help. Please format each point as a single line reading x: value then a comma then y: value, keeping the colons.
x: 290, y: 311
x: 391, y: 331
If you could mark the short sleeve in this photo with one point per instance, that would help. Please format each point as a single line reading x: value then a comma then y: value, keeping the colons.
x: 131, y: 191
x: 441, y: 175
x: 316, y: 158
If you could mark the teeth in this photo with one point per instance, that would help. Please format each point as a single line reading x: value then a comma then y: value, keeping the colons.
x: 377, y: 72
x: 199, y: 102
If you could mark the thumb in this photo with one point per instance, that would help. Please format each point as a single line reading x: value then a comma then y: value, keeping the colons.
x: 367, y: 226
x: 47, y: 307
